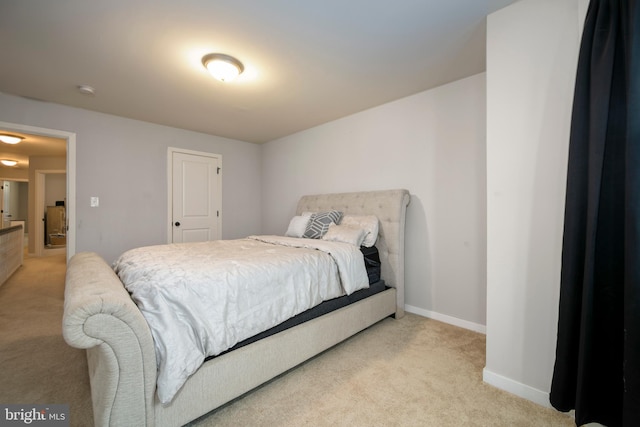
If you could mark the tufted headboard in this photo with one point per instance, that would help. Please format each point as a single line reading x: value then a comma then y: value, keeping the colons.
x: 390, y: 207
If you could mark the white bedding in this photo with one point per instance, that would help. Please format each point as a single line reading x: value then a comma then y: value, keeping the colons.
x: 201, y: 299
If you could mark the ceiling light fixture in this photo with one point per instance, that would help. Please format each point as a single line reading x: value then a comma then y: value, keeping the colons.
x: 8, y: 162
x: 10, y: 139
x: 87, y: 90
x: 223, y: 67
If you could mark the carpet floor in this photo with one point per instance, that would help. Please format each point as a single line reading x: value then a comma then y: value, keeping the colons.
x: 409, y: 372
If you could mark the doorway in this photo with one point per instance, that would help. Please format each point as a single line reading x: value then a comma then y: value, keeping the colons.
x: 50, y: 212
x: 70, y: 183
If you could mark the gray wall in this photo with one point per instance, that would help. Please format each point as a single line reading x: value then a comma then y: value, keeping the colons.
x: 123, y: 162
x: 431, y: 143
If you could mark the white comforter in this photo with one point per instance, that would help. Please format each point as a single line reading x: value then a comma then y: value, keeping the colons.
x: 201, y: 299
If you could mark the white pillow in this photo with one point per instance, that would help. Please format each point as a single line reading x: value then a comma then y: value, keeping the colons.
x: 367, y: 222
x: 298, y: 225
x: 344, y: 233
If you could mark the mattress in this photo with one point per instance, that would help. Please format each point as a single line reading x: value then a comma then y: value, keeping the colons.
x: 376, y: 285
x: 372, y: 263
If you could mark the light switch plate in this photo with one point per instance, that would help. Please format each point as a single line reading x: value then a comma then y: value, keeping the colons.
x: 95, y: 202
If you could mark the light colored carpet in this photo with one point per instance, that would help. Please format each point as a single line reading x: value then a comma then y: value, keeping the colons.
x: 36, y: 365
x: 408, y: 372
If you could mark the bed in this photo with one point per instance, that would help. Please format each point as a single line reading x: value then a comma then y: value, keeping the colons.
x: 101, y: 317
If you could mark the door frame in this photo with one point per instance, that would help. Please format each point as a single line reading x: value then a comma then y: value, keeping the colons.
x: 170, y: 152
x: 70, y: 137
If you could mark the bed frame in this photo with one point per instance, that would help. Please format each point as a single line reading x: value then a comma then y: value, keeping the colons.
x: 100, y: 316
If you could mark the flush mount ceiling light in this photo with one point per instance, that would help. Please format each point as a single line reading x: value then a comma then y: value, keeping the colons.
x: 10, y: 139
x: 8, y: 162
x: 86, y: 90
x: 223, y: 67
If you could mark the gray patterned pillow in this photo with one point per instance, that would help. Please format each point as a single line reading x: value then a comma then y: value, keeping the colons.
x: 319, y: 223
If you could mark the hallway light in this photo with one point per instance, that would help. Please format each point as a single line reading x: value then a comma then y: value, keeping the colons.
x: 8, y: 162
x: 10, y: 139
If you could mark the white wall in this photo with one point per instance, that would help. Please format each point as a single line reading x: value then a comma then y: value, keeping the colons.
x: 123, y: 162
x: 432, y: 144
x: 532, y: 49
x: 55, y: 188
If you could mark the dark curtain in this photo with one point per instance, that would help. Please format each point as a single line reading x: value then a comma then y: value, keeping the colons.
x: 597, y: 367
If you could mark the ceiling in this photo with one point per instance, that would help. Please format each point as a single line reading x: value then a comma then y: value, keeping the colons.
x: 31, y: 145
x: 306, y: 62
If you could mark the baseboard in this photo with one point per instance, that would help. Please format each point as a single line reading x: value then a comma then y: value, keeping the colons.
x: 476, y: 327
x: 521, y: 390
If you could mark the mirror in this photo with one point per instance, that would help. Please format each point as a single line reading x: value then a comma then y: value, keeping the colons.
x: 15, y: 196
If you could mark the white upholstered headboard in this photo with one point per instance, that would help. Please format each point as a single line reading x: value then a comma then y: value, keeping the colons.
x: 390, y: 207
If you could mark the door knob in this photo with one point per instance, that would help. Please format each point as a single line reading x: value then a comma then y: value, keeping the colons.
x: 177, y: 224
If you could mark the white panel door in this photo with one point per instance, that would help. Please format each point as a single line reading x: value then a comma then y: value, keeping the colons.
x: 195, y: 197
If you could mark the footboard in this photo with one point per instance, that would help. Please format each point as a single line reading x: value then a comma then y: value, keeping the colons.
x: 100, y: 316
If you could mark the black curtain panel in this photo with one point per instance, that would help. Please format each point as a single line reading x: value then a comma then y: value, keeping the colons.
x: 597, y: 367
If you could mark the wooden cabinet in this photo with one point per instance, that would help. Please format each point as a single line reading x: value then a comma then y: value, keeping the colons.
x: 11, y: 251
